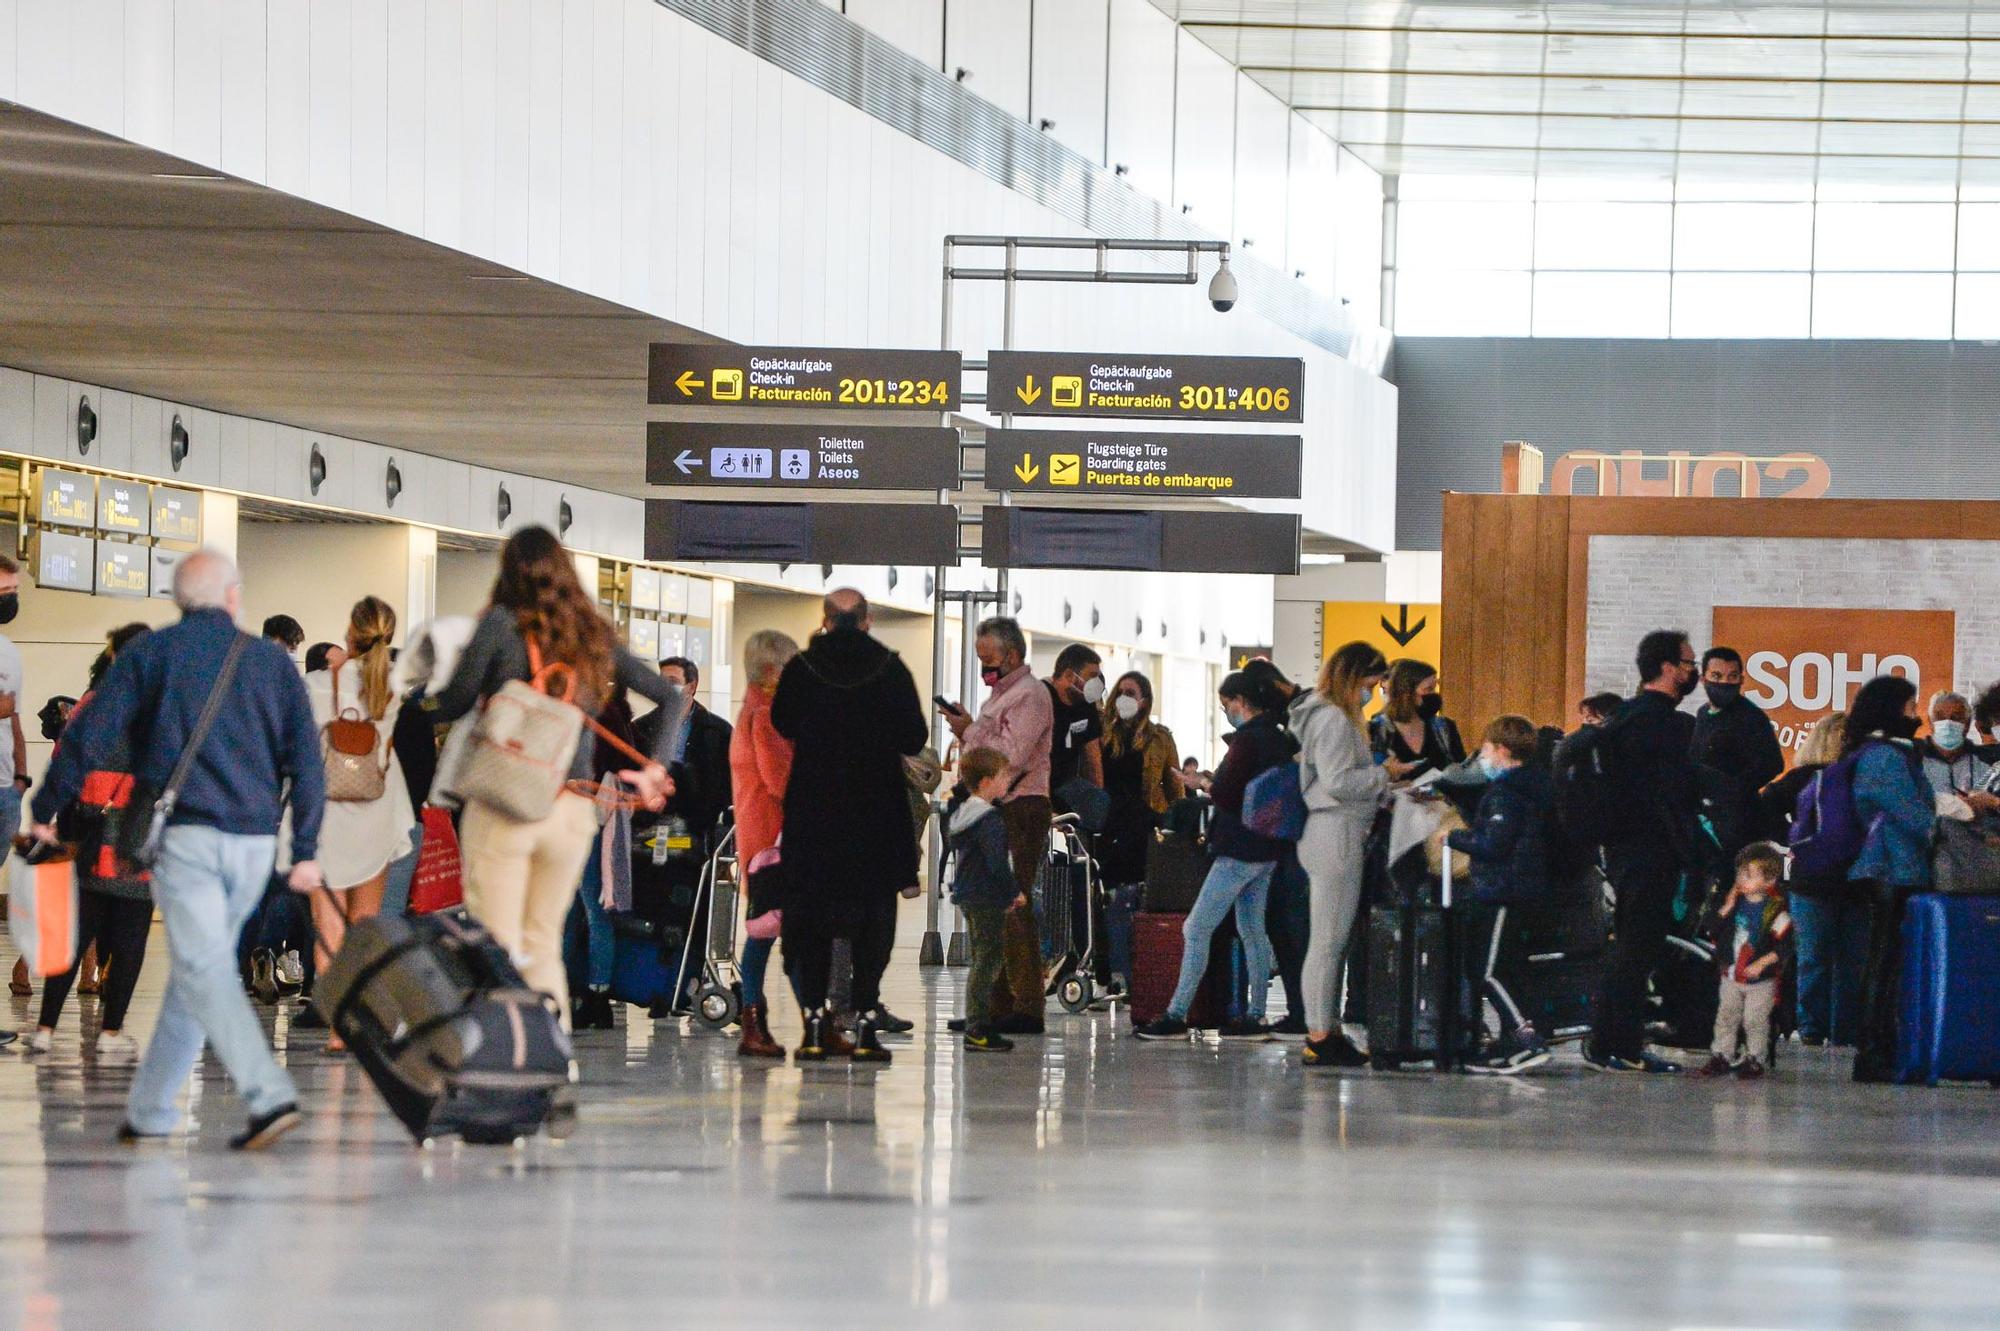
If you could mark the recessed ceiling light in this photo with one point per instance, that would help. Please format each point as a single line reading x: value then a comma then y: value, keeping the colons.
x: 188, y: 175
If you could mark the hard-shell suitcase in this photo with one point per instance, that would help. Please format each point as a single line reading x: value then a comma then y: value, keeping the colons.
x: 1556, y: 993
x: 1412, y: 1000
x: 442, y: 1022
x: 1156, y: 969
x: 1949, y: 1022
x: 646, y: 965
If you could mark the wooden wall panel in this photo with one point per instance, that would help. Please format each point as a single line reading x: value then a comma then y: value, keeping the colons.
x: 1506, y: 608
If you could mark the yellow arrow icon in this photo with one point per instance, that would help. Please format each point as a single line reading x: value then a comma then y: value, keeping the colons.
x: 1026, y: 469
x: 687, y: 383
x: 1027, y: 392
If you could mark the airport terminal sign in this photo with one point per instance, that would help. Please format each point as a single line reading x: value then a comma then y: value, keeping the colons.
x: 822, y: 457
x: 1187, y: 388
x: 687, y: 374
x: 1149, y: 464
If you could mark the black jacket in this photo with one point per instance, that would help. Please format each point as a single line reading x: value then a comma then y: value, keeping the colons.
x: 1652, y: 746
x: 851, y: 711
x: 1740, y: 744
x: 1508, y: 839
x: 702, y: 789
x: 263, y: 736
x: 1255, y: 749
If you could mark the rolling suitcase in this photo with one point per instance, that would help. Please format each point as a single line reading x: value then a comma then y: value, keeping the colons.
x: 443, y: 1024
x: 1156, y: 969
x: 1552, y: 956
x: 646, y: 966
x: 1413, y: 981
x: 1948, y: 1028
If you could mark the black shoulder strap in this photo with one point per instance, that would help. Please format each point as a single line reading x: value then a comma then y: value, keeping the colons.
x: 209, y: 711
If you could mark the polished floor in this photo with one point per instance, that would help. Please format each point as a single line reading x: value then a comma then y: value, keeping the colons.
x: 1087, y: 1180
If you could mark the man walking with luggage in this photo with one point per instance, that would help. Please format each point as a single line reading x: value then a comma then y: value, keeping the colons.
x: 236, y: 707
x: 1647, y: 743
x: 1018, y: 719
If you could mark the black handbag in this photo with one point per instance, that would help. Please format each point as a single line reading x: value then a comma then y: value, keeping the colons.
x: 1176, y: 867
x: 139, y: 838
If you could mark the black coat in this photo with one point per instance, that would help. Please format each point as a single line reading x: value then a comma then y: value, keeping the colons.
x: 851, y: 711
x: 1255, y: 749
x: 1741, y: 746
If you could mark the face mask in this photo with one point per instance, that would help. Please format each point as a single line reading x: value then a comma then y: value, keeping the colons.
x: 10, y: 606
x: 1235, y: 721
x: 1685, y: 685
x: 991, y: 674
x: 1488, y: 768
x: 1127, y: 707
x: 1948, y: 734
x: 1431, y: 706
x: 1721, y: 695
x: 1093, y: 690
x: 1905, y: 727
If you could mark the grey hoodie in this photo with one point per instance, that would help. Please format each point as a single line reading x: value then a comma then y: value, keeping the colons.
x: 1337, y: 770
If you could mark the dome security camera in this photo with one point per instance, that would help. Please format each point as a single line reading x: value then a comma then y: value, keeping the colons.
x: 1222, y: 290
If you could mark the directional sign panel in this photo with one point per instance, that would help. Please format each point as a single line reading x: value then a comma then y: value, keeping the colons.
x: 1242, y: 466
x: 821, y: 457
x: 694, y: 530
x: 1179, y: 388
x: 1143, y: 540
x: 687, y: 374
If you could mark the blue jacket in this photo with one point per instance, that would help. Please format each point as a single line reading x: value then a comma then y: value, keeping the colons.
x: 1508, y: 840
x: 1896, y: 806
x: 263, y: 736
x: 985, y: 873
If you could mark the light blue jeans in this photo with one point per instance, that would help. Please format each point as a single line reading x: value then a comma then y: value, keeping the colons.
x: 1231, y: 884
x: 10, y: 818
x: 402, y: 875
x: 206, y: 884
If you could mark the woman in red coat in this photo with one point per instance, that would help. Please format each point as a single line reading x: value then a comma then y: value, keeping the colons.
x: 760, y: 765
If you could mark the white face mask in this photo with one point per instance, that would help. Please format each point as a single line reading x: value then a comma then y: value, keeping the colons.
x: 1093, y: 690
x: 1127, y: 707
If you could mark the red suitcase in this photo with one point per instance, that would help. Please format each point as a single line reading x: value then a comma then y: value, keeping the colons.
x: 1156, y: 968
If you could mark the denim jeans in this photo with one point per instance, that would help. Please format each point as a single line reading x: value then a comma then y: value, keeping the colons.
x: 10, y: 819
x: 402, y: 873
x: 206, y: 883
x: 1832, y: 955
x: 756, y: 961
x: 1237, y: 885
x: 590, y: 948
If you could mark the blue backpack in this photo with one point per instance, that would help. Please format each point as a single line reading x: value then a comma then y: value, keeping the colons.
x: 1827, y: 832
x: 1274, y: 803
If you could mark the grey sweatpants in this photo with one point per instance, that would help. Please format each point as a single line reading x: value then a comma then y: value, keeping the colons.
x: 1331, y: 854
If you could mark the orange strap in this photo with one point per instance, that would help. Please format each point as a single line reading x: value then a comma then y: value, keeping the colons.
x: 541, y: 673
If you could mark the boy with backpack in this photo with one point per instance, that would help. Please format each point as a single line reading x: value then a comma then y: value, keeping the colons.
x: 983, y: 887
x: 1755, y: 933
x: 1508, y: 846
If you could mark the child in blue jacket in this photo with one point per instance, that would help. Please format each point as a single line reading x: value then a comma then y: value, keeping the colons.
x: 983, y: 887
x: 1508, y: 846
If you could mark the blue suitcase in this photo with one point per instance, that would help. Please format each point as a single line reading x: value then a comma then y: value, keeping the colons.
x: 647, y: 969
x: 1948, y: 1024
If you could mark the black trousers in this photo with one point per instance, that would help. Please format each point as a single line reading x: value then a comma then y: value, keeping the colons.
x: 1288, y: 923
x: 1482, y: 932
x: 870, y: 929
x: 1645, y: 878
x: 119, y: 926
x: 1881, y: 982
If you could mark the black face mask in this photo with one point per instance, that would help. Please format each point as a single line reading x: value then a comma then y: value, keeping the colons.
x: 10, y: 606
x: 1905, y: 727
x: 1431, y: 706
x: 1721, y: 695
x: 1685, y: 685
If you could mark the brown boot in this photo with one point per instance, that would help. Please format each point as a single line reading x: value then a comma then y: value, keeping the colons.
x: 838, y: 1045
x: 757, y: 1041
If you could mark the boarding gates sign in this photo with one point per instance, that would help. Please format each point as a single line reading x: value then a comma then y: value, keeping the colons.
x: 1800, y: 664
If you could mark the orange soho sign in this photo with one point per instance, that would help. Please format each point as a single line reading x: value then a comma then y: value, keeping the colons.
x: 1800, y: 664
x: 1789, y: 476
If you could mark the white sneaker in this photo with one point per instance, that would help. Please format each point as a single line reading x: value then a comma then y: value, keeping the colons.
x: 291, y: 972
x: 119, y: 1045
x: 41, y: 1042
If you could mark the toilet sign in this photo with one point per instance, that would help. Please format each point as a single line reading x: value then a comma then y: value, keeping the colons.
x: 1800, y: 664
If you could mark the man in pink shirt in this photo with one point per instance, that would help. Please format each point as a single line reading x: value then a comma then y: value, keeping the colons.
x: 1017, y: 719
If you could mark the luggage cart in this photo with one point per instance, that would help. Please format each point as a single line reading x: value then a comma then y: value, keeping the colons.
x: 1065, y: 888
x: 716, y: 999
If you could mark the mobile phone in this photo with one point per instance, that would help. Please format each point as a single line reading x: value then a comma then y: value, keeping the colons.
x: 944, y: 703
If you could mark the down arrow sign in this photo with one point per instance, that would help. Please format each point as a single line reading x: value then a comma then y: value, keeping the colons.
x: 1402, y: 632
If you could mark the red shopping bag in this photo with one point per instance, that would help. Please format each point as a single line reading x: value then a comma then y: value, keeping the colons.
x: 41, y: 906
x: 437, y: 885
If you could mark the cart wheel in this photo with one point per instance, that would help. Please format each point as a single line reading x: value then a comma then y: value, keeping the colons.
x: 717, y: 1006
x: 1074, y: 993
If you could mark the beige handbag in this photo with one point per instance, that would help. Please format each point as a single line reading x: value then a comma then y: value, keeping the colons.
x: 523, y: 743
x: 1448, y: 822
x: 349, y: 744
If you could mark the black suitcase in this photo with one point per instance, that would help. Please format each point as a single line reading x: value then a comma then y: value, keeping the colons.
x: 1412, y: 986
x: 442, y: 1022
x: 1557, y: 992
x: 1176, y: 867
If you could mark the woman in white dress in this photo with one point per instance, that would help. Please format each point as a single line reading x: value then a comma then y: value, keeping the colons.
x: 360, y: 837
